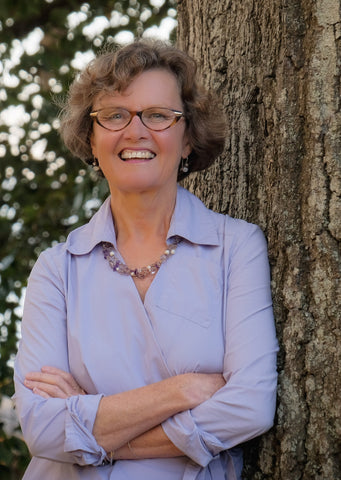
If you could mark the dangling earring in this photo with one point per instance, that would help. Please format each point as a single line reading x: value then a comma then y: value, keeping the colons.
x: 95, y: 164
x: 184, y: 167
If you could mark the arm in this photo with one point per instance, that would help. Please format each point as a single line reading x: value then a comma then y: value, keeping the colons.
x: 134, y: 413
x: 127, y: 415
x: 74, y: 427
x: 151, y: 444
x: 245, y: 406
x: 59, y: 428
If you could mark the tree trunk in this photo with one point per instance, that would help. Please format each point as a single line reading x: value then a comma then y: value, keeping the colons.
x: 276, y: 66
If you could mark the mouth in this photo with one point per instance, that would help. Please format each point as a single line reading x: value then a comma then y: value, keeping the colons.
x: 127, y: 154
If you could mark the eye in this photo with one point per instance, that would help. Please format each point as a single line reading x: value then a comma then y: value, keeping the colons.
x: 157, y: 115
x: 114, y: 115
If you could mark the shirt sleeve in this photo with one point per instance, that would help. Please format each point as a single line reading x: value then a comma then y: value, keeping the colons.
x: 244, y: 408
x: 54, y: 428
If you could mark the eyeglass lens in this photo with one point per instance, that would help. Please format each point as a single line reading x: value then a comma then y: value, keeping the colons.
x: 153, y: 118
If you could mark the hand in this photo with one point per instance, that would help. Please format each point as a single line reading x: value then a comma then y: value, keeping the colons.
x: 52, y: 382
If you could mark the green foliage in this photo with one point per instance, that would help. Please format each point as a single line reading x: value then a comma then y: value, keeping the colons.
x: 44, y: 191
x: 14, y: 457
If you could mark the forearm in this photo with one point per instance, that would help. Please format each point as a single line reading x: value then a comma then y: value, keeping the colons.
x: 151, y: 444
x: 127, y: 415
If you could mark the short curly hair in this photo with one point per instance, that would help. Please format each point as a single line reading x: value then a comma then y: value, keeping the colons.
x: 114, y: 70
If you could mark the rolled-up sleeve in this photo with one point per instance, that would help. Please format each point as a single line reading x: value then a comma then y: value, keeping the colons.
x: 244, y: 408
x: 55, y: 429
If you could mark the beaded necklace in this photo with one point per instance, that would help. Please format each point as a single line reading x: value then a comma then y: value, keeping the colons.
x: 143, y: 272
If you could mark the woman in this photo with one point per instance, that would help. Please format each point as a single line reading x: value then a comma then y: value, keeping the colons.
x: 148, y: 346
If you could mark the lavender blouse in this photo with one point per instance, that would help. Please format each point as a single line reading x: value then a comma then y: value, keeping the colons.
x: 207, y: 310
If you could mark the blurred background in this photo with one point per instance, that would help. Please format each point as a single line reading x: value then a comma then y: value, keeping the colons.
x: 44, y: 191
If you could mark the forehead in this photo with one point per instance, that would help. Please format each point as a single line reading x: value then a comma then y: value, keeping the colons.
x: 151, y: 87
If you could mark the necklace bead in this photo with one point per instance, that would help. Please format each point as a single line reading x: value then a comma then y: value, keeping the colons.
x: 143, y: 272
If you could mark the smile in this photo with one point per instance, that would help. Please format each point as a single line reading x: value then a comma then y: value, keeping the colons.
x: 140, y: 154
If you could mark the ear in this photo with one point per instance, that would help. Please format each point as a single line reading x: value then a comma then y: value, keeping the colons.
x: 93, y: 144
x: 186, y: 148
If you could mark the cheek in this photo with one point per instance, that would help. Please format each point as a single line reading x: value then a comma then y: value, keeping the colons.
x: 176, y: 144
x: 102, y: 144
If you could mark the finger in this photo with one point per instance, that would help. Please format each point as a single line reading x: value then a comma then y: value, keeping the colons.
x: 50, y: 383
x: 68, y: 378
x: 49, y: 390
x: 37, y: 391
x: 47, y: 378
x: 60, y: 387
x: 57, y: 371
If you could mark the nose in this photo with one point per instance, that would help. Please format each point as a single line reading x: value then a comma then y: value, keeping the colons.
x: 136, y: 128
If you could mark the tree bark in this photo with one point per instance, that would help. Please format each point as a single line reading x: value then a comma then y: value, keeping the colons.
x: 276, y: 65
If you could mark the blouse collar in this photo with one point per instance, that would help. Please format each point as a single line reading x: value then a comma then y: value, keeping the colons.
x: 191, y: 220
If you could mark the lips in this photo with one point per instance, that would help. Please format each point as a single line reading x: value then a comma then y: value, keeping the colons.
x: 127, y: 154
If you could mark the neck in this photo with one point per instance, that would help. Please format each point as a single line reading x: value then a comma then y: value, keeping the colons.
x: 142, y: 216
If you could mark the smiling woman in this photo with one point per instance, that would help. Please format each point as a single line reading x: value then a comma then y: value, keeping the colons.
x: 143, y: 152
x: 148, y: 346
x: 113, y: 72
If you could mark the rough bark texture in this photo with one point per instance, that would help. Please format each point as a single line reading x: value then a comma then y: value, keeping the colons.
x: 276, y: 65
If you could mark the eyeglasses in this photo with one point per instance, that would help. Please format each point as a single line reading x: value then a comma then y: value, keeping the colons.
x: 156, y: 118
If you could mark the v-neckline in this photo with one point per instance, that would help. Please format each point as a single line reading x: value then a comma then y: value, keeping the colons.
x: 142, y: 295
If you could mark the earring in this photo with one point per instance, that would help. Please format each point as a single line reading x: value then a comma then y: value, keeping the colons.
x: 95, y: 164
x: 184, y: 166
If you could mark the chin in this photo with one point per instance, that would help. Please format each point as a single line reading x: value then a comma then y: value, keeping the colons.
x: 143, y: 181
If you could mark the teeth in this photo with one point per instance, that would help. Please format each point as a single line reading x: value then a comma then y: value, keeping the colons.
x: 127, y: 154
